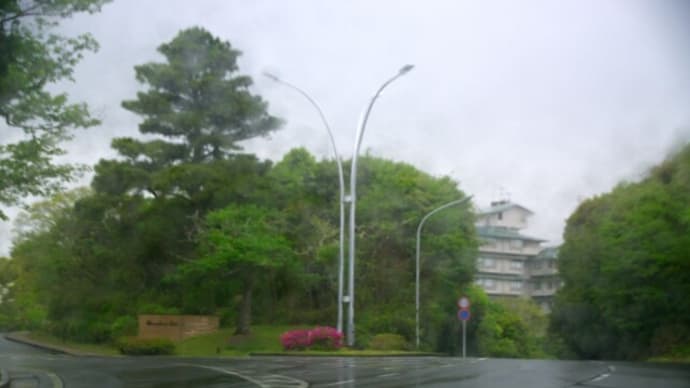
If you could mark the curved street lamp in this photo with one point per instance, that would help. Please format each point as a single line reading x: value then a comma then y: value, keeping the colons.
x: 353, y: 199
x: 341, y: 182
x: 419, y: 232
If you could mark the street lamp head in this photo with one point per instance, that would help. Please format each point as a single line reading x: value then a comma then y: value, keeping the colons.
x: 271, y: 76
x: 406, y: 69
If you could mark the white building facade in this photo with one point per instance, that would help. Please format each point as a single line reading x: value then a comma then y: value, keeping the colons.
x: 511, y: 264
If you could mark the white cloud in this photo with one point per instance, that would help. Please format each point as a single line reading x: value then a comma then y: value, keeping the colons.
x: 555, y: 101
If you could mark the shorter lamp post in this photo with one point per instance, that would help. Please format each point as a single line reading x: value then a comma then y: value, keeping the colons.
x: 419, y: 232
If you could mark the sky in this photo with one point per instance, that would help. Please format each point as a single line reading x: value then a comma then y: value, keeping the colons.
x: 542, y: 102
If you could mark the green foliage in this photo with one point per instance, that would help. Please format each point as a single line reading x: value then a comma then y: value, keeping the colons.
x: 125, y: 325
x: 197, y: 97
x: 121, y: 253
x: 242, y: 242
x: 502, y: 333
x: 31, y: 58
x: 388, y: 341
x: 201, y: 109
x: 625, y: 265
x: 134, y: 346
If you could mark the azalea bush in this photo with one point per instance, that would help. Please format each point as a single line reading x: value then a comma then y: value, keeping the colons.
x: 318, y: 338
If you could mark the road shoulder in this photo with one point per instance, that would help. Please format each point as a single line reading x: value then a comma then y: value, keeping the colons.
x: 22, y: 337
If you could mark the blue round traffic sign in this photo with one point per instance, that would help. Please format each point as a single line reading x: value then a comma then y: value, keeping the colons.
x: 464, y: 315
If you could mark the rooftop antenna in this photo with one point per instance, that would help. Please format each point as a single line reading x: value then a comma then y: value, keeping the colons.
x: 503, y: 195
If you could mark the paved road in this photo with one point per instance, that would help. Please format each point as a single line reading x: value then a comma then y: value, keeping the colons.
x: 33, y: 368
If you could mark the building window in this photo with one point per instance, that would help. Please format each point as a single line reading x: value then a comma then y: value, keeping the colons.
x: 516, y: 244
x: 515, y: 264
x: 487, y: 262
x: 516, y: 285
x: 500, y: 215
x: 486, y: 283
x: 490, y: 242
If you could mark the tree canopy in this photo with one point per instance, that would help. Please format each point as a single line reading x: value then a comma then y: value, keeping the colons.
x: 31, y: 58
x: 626, y: 268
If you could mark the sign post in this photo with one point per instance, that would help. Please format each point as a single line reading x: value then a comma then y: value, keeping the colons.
x: 464, y: 337
x: 464, y: 316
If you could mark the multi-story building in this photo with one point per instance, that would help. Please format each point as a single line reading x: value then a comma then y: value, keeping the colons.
x: 512, y: 264
x: 544, y: 279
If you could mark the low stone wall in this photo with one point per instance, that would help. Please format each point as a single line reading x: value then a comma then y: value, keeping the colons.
x: 176, y: 327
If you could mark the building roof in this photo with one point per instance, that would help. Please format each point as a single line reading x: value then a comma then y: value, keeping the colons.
x: 502, y: 206
x: 505, y: 233
x: 548, y: 253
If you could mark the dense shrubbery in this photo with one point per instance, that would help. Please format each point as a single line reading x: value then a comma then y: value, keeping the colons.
x: 388, y: 341
x: 318, y: 338
x: 134, y: 346
x: 513, y: 328
x: 626, y: 268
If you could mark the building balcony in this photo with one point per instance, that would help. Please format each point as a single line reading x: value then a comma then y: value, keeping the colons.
x: 544, y: 292
x: 543, y: 271
x: 527, y: 251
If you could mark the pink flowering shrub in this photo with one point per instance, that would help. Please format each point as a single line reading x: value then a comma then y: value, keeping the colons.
x: 318, y: 338
x: 295, y: 340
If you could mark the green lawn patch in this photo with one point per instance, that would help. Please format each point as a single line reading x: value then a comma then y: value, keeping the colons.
x: 682, y: 360
x: 680, y: 353
x: 263, y: 338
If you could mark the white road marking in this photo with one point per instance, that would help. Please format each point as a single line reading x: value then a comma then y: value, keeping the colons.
x: 283, y: 381
x: 54, y: 379
x: 599, y: 378
x: 602, y: 376
x: 266, y: 381
x: 388, y: 375
x: 227, y: 372
x: 339, y: 383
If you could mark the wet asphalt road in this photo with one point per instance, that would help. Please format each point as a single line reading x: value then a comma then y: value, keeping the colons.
x: 30, y: 368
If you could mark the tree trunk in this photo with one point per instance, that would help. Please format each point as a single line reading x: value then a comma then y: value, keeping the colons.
x: 244, y: 319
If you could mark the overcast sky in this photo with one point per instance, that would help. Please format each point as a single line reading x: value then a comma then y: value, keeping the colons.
x: 551, y: 101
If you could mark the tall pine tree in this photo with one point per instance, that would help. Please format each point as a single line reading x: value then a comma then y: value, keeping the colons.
x: 201, y: 109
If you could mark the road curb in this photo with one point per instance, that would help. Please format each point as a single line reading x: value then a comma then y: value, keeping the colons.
x: 4, y: 378
x: 19, y: 338
x: 335, y: 354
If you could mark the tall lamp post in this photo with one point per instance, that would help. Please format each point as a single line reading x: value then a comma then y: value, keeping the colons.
x: 353, y: 198
x: 341, y: 182
x: 419, y: 233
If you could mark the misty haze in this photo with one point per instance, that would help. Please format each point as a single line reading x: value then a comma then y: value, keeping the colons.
x: 471, y: 186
